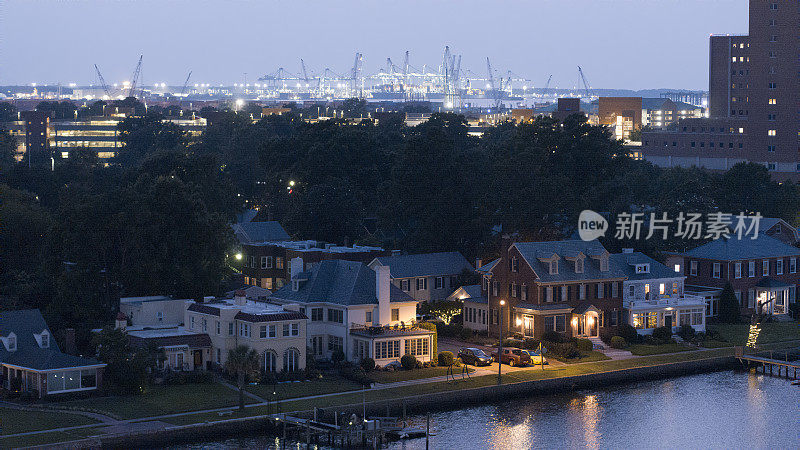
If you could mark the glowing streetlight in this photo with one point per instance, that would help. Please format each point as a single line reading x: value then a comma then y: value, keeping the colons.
x: 238, y: 256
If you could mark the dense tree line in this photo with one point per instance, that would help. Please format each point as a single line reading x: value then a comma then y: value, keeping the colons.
x: 77, y: 237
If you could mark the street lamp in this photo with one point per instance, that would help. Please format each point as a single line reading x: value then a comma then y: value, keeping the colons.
x: 500, y: 346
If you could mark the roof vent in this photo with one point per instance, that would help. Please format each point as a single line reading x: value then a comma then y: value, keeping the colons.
x: 627, y: 250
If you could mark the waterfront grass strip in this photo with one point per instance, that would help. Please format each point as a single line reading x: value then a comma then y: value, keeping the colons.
x: 13, y: 421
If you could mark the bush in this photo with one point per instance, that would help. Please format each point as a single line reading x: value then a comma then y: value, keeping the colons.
x: 512, y: 343
x: 662, y: 334
x: 584, y: 345
x: 562, y: 349
x: 728, y: 306
x: 409, y: 362
x: 530, y: 344
x: 628, y: 332
x: 446, y: 358
x: 686, y: 332
x: 465, y: 334
x: 553, y: 336
x: 355, y: 374
x: 618, y: 342
x: 337, y: 356
x: 367, y: 364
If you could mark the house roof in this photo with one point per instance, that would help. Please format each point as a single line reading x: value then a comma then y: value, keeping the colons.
x: 473, y: 290
x: 191, y: 340
x: 733, y: 249
x: 24, y: 324
x: 250, y: 232
x: 425, y: 264
x: 533, y: 252
x: 246, y: 216
x: 270, y: 317
x: 486, y: 268
x: 340, y: 282
x: 627, y: 262
x: 771, y: 283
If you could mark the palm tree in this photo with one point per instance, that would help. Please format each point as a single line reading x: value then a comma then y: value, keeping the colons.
x: 242, y: 361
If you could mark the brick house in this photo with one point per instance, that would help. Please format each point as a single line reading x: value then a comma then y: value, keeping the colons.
x: 759, y: 270
x: 579, y: 289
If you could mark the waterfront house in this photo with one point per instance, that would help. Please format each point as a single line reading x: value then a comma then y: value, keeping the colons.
x: 32, y: 361
x: 761, y: 271
x: 653, y: 295
x: 210, y: 329
x: 579, y: 289
x: 355, y: 310
x: 425, y: 277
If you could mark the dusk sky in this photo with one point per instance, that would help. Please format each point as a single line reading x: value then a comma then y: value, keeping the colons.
x: 632, y: 44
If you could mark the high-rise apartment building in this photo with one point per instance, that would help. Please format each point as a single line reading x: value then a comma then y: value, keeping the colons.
x: 754, y: 93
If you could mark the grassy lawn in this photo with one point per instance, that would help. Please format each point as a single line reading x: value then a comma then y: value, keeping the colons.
x: 327, y: 385
x: 416, y: 374
x: 13, y: 421
x: 736, y: 334
x: 712, y: 343
x: 590, y: 356
x: 159, y: 400
x: 647, y: 350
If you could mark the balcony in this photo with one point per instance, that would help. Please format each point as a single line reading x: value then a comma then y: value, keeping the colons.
x: 663, y: 301
x: 402, y: 329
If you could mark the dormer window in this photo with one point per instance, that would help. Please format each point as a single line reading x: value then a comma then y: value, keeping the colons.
x: 642, y: 268
x: 579, y: 265
x: 604, y: 263
x: 554, y: 267
x: 44, y: 340
x: 10, y: 342
x: 295, y: 285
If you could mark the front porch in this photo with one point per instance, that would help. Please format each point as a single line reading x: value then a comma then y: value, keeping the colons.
x: 773, y: 296
x: 672, y: 312
x: 52, y: 381
x: 386, y: 345
x: 532, y: 321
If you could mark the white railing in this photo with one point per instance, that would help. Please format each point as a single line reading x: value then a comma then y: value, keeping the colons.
x: 665, y: 301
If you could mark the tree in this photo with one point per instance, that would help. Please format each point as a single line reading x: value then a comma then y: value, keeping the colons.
x: 8, y: 151
x: 242, y: 362
x: 127, y: 368
x: 8, y: 112
x: 728, y: 306
x: 443, y: 309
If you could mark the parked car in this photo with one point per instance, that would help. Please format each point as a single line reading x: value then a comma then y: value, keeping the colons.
x: 513, y: 357
x: 536, y: 358
x: 474, y: 356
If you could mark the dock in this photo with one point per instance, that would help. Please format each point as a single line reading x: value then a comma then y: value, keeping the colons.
x: 778, y: 363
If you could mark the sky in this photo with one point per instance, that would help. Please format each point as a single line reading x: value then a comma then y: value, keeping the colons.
x: 625, y: 44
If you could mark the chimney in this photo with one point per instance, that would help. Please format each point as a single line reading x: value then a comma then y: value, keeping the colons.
x: 478, y: 263
x: 396, y: 252
x: 296, y: 266
x: 382, y: 287
x: 120, y: 323
x: 69, y: 340
x: 240, y: 297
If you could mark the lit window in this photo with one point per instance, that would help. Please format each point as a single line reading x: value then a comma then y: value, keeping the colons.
x: 772, y: 132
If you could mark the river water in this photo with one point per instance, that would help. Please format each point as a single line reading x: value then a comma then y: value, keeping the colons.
x: 715, y: 410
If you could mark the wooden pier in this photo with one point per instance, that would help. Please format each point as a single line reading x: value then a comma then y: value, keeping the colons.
x: 777, y: 363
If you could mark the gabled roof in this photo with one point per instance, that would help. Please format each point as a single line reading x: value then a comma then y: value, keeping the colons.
x: 270, y: 317
x: 764, y: 224
x: 486, y: 268
x: 340, y: 282
x: 733, y: 249
x: 252, y: 232
x: 533, y: 251
x: 425, y: 264
x: 24, y: 324
x: 627, y: 262
x: 246, y: 216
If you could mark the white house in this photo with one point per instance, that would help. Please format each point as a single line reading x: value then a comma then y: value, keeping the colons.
x: 357, y: 310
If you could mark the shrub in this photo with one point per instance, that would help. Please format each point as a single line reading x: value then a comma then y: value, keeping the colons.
x: 628, y: 332
x: 408, y: 361
x: 531, y: 344
x: 355, y: 374
x: 368, y: 364
x: 337, y: 356
x: 728, y: 306
x: 465, y: 334
x: 512, y: 343
x: 552, y: 336
x: 446, y: 358
x: 662, y: 334
x: 618, y: 342
x: 563, y: 350
x: 584, y: 345
x: 686, y: 332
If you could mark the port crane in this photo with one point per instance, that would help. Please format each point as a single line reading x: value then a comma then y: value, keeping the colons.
x: 102, y: 81
x: 495, y: 93
x: 185, y: 83
x: 135, y: 78
x: 587, y: 90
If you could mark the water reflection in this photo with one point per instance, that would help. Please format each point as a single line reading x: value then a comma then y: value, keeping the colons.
x: 718, y: 410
